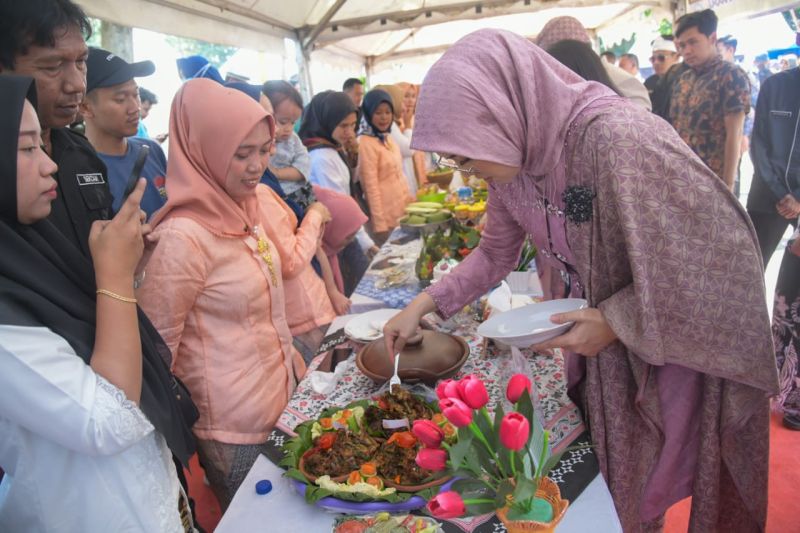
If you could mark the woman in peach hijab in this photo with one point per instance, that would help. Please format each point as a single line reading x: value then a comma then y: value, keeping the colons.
x: 399, y: 135
x: 348, y: 220
x: 419, y: 159
x: 213, y: 285
x: 309, y: 309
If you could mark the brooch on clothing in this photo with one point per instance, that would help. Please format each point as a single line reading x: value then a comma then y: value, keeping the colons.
x: 578, y: 203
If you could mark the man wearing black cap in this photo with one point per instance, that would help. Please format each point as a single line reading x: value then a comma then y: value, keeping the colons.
x: 44, y: 39
x: 111, y: 111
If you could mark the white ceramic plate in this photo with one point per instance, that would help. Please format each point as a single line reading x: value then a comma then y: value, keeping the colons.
x: 528, y: 325
x: 368, y: 327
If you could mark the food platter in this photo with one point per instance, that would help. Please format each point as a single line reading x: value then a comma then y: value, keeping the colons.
x: 338, y: 505
x: 386, y: 523
x: 364, y: 453
x: 429, y: 227
x: 425, y: 217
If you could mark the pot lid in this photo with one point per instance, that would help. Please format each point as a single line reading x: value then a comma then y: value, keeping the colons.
x: 436, y: 356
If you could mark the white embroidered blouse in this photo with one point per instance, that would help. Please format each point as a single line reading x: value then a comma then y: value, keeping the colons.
x: 77, y: 455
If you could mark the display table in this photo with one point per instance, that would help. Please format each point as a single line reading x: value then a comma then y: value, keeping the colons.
x: 284, y: 511
x: 390, y: 282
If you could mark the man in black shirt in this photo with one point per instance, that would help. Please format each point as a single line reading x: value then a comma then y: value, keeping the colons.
x: 659, y: 85
x: 774, y: 199
x: 44, y: 39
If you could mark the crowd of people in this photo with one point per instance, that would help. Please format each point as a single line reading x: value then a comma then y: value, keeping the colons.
x: 154, y: 307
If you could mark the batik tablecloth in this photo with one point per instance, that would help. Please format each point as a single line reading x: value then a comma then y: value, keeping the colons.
x: 487, y: 361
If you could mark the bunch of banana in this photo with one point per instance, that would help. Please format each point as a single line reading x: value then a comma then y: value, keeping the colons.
x: 419, y: 213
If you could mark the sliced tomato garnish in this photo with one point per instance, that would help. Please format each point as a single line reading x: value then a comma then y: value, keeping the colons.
x: 326, y: 440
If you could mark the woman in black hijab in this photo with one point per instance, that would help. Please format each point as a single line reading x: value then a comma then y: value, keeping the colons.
x: 380, y: 166
x: 328, y: 130
x: 326, y: 112
x: 372, y: 100
x: 76, y: 358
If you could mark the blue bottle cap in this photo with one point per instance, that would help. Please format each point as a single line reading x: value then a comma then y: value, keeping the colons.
x: 263, y: 486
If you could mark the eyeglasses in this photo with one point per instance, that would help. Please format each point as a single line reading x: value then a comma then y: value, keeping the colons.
x: 659, y: 57
x: 442, y: 161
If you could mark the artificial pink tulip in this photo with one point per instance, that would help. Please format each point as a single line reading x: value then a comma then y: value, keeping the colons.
x: 428, y: 433
x: 447, y: 388
x: 514, y: 431
x: 517, y: 384
x: 433, y: 459
x: 447, y: 505
x: 473, y: 392
x: 457, y: 412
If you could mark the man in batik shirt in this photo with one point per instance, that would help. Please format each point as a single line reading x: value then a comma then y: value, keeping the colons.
x: 711, y: 98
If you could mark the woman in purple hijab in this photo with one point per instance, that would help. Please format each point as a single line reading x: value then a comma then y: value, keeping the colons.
x: 673, y: 362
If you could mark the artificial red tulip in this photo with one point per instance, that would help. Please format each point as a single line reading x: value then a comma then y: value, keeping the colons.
x: 428, y: 433
x: 433, y: 459
x: 473, y: 392
x: 457, y: 412
x: 447, y: 505
x: 517, y: 384
x: 447, y: 388
x: 514, y: 431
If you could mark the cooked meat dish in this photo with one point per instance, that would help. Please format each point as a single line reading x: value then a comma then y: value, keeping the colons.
x: 348, y: 453
x: 393, y: 461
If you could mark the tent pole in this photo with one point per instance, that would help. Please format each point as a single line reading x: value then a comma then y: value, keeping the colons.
x: 369, y: 62
x: 303, y: 58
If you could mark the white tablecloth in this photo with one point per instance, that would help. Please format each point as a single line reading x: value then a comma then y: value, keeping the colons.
x: 284, y: 510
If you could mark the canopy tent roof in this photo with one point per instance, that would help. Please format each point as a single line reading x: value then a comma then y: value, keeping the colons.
x: 435, y: 38
x: 367, y: 31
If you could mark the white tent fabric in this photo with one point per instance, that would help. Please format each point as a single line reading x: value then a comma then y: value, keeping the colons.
x: 194, y: 19
x: 381, y: 29
x: 410, y: 42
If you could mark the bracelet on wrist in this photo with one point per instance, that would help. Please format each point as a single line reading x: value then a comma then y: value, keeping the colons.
x: 116, y: 296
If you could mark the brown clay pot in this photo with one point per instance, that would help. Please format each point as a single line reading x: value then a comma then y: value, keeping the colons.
x: 301, y: 465
x: 435, y: 356
x: 548, y: 490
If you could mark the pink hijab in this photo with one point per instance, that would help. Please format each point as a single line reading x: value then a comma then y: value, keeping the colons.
x: 497, y: 97
x: 207, y: 123
x: 562, y: 29
x: 346, y: 219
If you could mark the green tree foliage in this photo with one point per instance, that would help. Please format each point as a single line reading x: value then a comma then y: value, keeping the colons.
x: 217, y: 54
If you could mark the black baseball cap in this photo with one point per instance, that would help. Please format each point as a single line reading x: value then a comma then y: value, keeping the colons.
x: 104, y: 69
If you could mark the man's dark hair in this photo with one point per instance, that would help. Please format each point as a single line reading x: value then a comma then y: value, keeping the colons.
x: 705, y: 21
x: 582, y: 60
x: 147, y: 96
x: 349, y: 83
x: 278, y: 90
x: 609, y: 55
x: 35, y: 22
x: 632, y: 57
x: 729, y: 42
